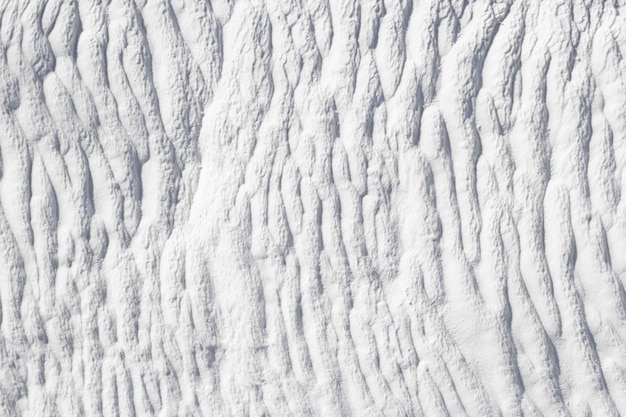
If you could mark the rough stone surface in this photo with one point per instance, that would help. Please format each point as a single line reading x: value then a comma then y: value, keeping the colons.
x: 312, y: 208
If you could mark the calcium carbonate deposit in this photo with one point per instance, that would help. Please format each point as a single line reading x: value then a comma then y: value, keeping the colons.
x: 279, y: 208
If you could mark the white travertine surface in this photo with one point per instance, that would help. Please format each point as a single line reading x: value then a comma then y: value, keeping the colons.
x: 312, y: 208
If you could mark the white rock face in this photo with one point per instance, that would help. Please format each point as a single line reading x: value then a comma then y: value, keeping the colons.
x: 312, y: 208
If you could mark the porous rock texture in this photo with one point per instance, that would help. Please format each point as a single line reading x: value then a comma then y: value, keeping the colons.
x: 312, y: 208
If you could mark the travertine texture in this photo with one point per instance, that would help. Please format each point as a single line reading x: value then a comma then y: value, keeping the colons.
x: 312, y: 208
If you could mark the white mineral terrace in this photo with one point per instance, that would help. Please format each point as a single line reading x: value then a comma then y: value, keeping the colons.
x: 312, y: 208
